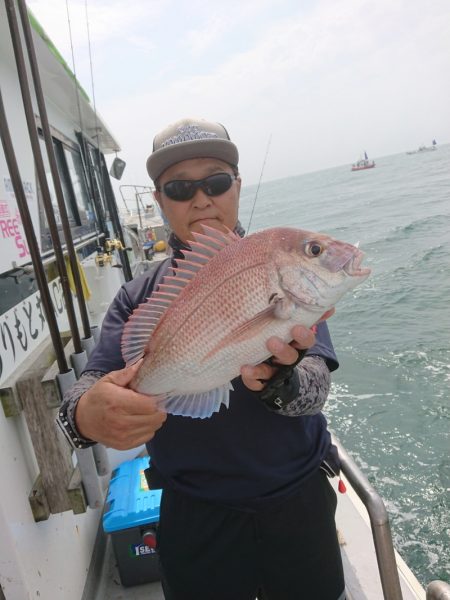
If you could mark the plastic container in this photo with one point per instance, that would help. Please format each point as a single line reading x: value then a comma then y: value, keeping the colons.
x: 131, y: 518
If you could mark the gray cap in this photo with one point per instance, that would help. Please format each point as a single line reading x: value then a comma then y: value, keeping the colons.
x: 190, y: 138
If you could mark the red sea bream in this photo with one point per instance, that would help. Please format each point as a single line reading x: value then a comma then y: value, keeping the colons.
x: 216, y: 310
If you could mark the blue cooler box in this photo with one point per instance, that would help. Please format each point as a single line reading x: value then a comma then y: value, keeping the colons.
x: 131, y: 517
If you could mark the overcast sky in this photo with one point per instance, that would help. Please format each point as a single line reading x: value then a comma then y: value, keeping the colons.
x: 327, y: 79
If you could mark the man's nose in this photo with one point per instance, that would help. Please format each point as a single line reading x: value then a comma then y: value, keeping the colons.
x: 201, y: 199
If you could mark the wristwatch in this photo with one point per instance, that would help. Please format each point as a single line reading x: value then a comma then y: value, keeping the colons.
x: 66, y: 424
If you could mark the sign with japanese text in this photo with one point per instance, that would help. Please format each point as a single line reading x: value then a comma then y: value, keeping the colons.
x: 24, y: 327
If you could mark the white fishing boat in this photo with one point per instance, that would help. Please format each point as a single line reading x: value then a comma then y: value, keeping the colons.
x: 52, y: 543
x: 424, y: 148
x: 144, y: 228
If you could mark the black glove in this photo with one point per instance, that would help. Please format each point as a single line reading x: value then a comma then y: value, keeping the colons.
x: 283, y: 387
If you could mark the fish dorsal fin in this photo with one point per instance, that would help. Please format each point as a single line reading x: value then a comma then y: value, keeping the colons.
x: 145, y: 318
x: 215, y: 239
x: 222, y: 237
x: 205, y: 246
x: 140, y: 326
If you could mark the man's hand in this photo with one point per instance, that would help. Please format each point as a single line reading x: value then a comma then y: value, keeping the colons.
x: 116, y: 416
x: 284, y: 354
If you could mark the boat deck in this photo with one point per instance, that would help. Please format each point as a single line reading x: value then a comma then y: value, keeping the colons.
x: 110, y: 587
x: 358, y: 555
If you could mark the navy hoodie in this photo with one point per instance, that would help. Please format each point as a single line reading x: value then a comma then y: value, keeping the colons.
x: 245, y: 456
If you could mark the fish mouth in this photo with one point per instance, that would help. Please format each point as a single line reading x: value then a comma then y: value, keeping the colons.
x: 353, y: 266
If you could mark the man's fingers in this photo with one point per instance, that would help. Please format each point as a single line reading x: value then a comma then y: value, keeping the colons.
x: 255, y: 378
x: 129, y: 434
x: 117, y: 416
x: 134, y: 403
x: 137, y: 424
x: 123, y: 431
x: 302, y: 337
x: 124, y: 376
x: 283, y: 353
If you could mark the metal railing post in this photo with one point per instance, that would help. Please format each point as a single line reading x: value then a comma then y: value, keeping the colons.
x: 438, y: 590
x: 379, y: 521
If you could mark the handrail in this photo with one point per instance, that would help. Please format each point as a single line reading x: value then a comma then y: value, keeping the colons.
x: 438, y: 590
x: 379, y: 521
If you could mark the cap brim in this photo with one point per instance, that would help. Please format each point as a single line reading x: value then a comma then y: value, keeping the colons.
x: 164, y: 158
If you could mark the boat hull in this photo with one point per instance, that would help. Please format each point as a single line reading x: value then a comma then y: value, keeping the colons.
x: 363, y: 168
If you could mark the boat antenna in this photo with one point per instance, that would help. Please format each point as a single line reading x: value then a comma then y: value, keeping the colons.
x: 259, y: 183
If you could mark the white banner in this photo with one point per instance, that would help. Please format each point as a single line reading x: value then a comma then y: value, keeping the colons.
x: 24, y: 327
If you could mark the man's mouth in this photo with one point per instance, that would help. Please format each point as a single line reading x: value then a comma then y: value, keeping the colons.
x: 204, y: 220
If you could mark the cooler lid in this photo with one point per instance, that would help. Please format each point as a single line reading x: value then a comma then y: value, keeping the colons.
x: 129, y: 502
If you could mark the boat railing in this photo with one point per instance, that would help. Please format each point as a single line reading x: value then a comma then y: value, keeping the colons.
x: 381, y: 531
x: 379, y: 520
x: 438, y: 590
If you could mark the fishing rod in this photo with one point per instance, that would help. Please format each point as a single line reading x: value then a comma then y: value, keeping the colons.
x: 259, y: 183
x: 107, y: 187
x: 73, y: 261
x: 41, y: 175
x: 85, y: 157
x: 92, y: 462
x: 16, y: 180
x: 66, y: 377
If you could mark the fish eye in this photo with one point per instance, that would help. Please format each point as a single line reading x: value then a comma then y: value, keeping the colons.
x: 313, y: 249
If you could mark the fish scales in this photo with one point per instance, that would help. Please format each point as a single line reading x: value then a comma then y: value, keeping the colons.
x: 247, y: 291
x: 227, y: 293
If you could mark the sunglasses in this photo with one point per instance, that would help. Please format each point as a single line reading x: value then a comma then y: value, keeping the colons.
x: 185, y: 189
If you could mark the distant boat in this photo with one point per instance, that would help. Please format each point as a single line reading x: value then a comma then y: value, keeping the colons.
x: 424, y: 148
x: 363, y: 163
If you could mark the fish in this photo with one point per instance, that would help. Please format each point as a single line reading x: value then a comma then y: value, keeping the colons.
x: 215, y: 310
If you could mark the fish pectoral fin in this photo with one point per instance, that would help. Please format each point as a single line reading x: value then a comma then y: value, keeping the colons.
x: 199, y: 405
x: 279, y: 308
x: 283, y: 308
x: 254, y: 325
x: 246, y: 330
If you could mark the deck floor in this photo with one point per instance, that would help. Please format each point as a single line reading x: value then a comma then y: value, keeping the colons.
x: 112, y: 589
x: 358, y: 555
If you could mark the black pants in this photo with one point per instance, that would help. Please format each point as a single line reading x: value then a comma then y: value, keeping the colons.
x: 291, y: 552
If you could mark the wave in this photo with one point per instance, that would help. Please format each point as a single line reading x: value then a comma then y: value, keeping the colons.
x: 427, y: 224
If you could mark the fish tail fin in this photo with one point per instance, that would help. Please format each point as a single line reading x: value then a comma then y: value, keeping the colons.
x: 199, y: 405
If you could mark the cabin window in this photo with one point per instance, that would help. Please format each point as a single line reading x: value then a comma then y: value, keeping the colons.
x: 16, y: 285
x: 96, y: 170
x: 79, y: 207
x: 48, y: 174
x: 84, y: 206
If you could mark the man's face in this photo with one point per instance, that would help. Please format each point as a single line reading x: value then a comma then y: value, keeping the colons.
x: 216, y: 211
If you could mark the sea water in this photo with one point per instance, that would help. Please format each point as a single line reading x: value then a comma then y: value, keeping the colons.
x: 390, y: 399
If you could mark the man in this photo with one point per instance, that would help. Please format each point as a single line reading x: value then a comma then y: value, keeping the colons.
x: 246, y: 508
